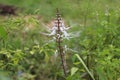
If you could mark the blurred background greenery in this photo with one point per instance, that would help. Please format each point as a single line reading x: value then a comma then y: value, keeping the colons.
x: 25, y: 56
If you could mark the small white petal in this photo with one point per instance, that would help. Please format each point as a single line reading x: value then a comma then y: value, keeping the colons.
x: 54, y: 38
x: 65, y: 34
x: 56, y: 54
x: 52, y: 33
x: 65, y: 47
x: 67, y: 28
x: 61, y: 29
x: 54, y: 28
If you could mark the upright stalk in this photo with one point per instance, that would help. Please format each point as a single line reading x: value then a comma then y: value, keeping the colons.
x: 58, y: 41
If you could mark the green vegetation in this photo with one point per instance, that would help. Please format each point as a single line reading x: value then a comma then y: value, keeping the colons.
x: 25, y: 54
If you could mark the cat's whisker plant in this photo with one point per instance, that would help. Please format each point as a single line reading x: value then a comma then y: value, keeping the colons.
x: 59, y: 33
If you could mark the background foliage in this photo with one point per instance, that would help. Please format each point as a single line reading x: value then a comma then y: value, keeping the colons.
x: 25, y: 54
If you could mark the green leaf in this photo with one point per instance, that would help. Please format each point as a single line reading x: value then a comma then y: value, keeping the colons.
x: 3, y: 33
x: 32, y: 52
x: 101, y: 73
x: 85, y: 66
x: 46, y: 57
x: 74, y: 70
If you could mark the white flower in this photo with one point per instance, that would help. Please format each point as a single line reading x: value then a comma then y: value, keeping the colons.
x: 63, y: 30
x: 65, y: 47
x: 52, y: 33
x: 56, y: 53
x: 54, y: 27
x: 63, y: 26
x: 65, y: 35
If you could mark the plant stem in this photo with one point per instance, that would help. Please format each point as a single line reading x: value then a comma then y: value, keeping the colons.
x: 60, y: 48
